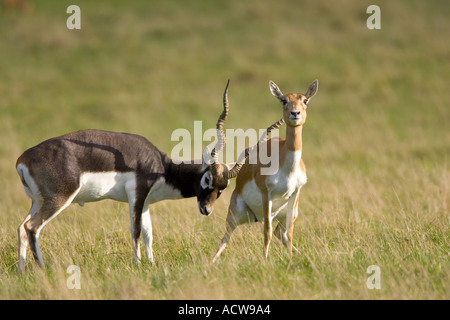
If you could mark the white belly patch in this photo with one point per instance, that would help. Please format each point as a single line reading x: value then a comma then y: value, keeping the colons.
x: 95, y: 186
x: 252, y: 197
x: 281, y: 186
x: 121, y: 187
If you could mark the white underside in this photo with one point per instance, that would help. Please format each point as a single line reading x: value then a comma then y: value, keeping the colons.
x: 96, y: 186
x: 120, y: 187
x: 105, y: 185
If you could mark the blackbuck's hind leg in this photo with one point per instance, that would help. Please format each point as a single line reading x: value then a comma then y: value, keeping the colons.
x: 281, y: 233
x: 238, y: 213
x: 39, y: 216
x: 267, y: 207
x: 231, y: 225
x: 23, y: 236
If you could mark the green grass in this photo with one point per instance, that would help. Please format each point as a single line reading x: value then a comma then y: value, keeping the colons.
x: 376, y: 143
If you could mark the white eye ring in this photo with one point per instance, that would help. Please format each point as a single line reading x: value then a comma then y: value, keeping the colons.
x: 207, y: 180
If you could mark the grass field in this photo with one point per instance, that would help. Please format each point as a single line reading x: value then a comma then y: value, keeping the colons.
x: 376, y: 143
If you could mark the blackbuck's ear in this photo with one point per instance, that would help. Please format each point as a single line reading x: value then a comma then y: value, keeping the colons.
x: 277, y: 92
x: 312, y: 90
x: 207, y: 160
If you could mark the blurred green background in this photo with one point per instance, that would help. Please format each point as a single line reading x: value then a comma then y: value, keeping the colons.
x: 376, y: 142
x: 152, y: 66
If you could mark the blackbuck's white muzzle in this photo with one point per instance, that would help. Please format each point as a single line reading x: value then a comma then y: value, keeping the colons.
x: 295, y: 118
x: 295, y: 115
x: 205, y: 210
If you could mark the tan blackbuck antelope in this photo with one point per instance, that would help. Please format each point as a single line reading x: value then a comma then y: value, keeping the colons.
x: 259, y: 197
x: 92, y: 165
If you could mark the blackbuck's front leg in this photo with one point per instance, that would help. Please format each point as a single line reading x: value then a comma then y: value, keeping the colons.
x: 137, y: 204
x: 146, y: 225
x: 285, y: 227
x: 135, y: 230
x: 290, y: 219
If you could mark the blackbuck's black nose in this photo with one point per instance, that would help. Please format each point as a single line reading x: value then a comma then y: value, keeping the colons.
x: 295, y: 113
x: 206, y: 211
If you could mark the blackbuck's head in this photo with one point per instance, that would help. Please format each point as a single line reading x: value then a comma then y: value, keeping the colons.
x: 215, y: 175
x: 294, y: 104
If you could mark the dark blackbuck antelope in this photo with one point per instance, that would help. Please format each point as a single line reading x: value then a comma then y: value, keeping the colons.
x: 273, y: 197
x: 92, y: 165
